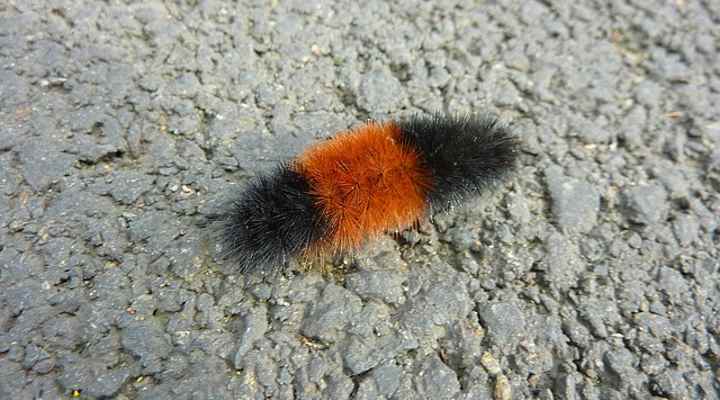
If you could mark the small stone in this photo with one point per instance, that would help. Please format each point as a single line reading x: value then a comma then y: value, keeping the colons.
x: 490, y: 363
x: 143, y: 306
x: 128, y: 186
x: 331, y: 313
x: 590, y: 132
x: 380, y: 91
x: 686, y: 228
x: 44, y: 366
x: 565, y: 387
x: 649, y: 93
x: 383, y: 285
x: 258, y: 152
x: 646, y: 205
x: 575, y: 204
x: 253, y: 327
x: 437, y: 381
x: 437, y: 305
x: 670, y: 384
x: 517, y: 59
x: 42, y: 162
x: 364, y: 353
x: 673, y: 283
x: 159, y: 229
x: 33, y: 354
x: 339, y: 386
x: 503, y: 322
x: 503, y: 390
x: 479, y: 391
x: 387, y: 378
x: 621, y: 361
x: 366, y: 390
x: 653, y: 364
x: 577, y: 332
x: 261, y: 291
x: 91, y: 379
x: 147, y: 341
x: 634, y: 125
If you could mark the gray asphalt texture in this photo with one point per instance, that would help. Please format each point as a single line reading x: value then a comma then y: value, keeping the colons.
x: 592, y: 274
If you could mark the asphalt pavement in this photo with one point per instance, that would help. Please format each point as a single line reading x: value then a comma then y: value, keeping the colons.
x: 592, y: 274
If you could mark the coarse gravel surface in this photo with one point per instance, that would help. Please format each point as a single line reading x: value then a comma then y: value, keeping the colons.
x: 592, y: 274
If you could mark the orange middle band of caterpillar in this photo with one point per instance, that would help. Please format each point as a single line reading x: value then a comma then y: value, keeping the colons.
x: 362, y: 183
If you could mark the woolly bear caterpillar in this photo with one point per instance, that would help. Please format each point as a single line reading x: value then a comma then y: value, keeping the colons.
x: 381, y: 176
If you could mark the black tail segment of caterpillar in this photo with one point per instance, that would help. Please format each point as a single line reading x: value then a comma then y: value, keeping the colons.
x: 379, y: 177
x: 466, y: 154
x: 272, y: 220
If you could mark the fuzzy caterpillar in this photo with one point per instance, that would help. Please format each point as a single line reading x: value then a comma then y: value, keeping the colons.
x: 381, y: 176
